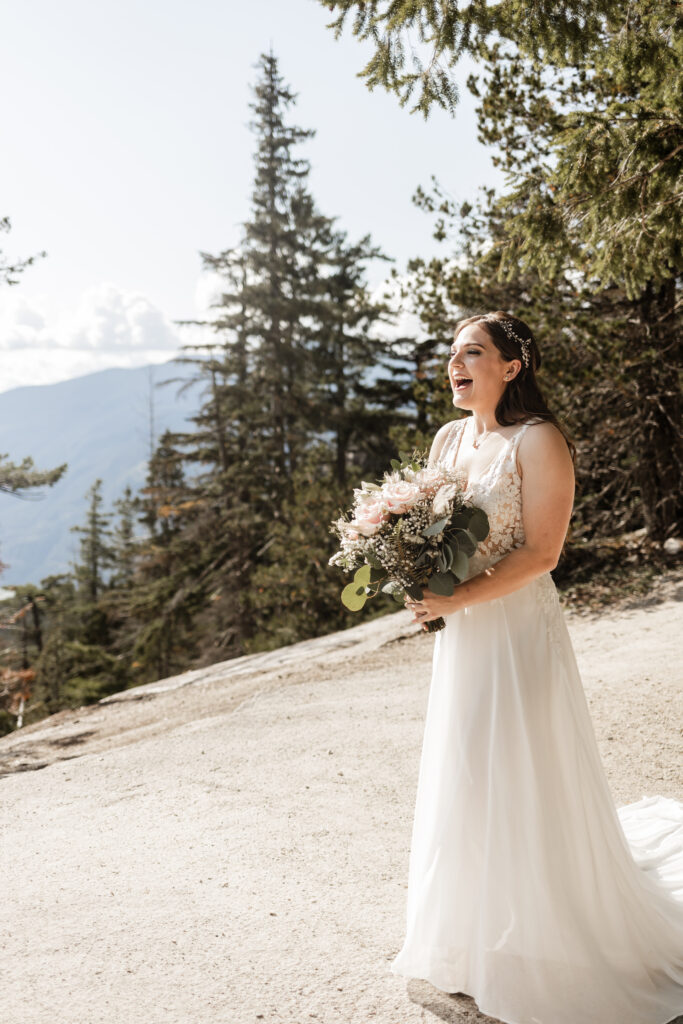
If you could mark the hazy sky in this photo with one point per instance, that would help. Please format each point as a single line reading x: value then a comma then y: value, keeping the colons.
x: 126, y: 151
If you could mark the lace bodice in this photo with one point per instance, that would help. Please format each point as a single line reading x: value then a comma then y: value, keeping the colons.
x: 498, y: 492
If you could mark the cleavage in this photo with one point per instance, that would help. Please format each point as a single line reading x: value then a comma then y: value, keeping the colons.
x: 478, y: 463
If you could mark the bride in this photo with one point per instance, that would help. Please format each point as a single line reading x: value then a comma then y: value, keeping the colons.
x: 527, y: 888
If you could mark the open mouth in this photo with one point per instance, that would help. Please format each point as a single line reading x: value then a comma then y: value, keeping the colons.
x: 461, y: 383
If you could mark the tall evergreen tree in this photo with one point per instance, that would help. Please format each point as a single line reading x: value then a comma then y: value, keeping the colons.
x: 96, y: 553
x: 285, y: 395
x: 583, y: 106
x: 123, y: 542
x: 155, y: 613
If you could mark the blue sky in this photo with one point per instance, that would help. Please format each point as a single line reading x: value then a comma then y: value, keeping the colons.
x: 127, y: 150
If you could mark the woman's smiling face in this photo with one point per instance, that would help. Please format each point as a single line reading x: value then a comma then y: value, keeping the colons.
x: 476, y: 370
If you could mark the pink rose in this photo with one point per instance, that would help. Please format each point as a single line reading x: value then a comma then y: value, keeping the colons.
x: 399, y: 497
x: 369, y: 517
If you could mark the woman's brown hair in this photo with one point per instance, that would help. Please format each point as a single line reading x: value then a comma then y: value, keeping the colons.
x: 522, y: 399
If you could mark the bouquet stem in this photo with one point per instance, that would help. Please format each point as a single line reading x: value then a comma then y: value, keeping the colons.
x: 434, y: 625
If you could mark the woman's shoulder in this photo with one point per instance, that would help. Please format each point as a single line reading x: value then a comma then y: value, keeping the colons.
x: 443, y: 436
x: 451, y: 424
x: 449, y: 429
x: 542, y: 428
x: 543, y: 441
x: 534, y: 421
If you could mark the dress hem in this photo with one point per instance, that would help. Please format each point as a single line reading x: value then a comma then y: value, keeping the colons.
x: 423, y: 975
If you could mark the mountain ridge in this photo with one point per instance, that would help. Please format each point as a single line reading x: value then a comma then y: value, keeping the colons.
x: 98, y: 423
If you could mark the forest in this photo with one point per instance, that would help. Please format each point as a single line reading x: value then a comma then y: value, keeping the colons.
x: 307, y: 389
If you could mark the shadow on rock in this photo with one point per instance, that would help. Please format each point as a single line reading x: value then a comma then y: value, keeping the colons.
x: 455, y: 1008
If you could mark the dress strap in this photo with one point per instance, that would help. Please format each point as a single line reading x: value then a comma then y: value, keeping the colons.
x: 514, y: 443
x: 517, y: 436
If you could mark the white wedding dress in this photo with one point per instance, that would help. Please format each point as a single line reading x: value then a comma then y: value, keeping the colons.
x: 527, y: 888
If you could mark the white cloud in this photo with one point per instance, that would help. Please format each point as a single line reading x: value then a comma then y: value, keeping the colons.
x: 106, y: 319
x: 108, y: 327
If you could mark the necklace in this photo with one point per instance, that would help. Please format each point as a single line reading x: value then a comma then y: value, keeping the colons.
x: 476, y: 442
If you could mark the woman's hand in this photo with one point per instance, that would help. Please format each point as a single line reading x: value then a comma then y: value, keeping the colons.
x: 432, y: 606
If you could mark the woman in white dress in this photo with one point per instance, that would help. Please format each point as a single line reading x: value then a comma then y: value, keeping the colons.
x: 527, y: 888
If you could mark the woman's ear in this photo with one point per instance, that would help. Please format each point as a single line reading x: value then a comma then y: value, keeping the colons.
x: 512, y: 370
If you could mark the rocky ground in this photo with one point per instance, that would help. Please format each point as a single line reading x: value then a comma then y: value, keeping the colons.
x: 231, y: 845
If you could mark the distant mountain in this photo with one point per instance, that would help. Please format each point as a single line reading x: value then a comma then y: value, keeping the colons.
x: 100, y: 425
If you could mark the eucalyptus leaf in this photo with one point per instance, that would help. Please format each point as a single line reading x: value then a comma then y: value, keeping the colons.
x: 466, y: 543
x: 442, y: 583
x: 437, y: 527
x: 398, y: 596
x: 353, y: 597
x: 441, y: 562
x: 395, y: 464
x: 448, y: 555
x: 361, y: 577
x: 461, y: 519
x: 460, y: 567
x: 479, y: 524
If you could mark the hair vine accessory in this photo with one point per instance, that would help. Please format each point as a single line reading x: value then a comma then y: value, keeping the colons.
x: 523, y: 343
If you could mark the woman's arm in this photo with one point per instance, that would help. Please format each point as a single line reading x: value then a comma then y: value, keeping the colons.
x: 547, y: 500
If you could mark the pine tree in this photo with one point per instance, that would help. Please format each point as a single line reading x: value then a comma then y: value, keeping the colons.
x: 96, y: 553
x: 279, y: 264
x: 597, y: 197
x: 350, y: 395
x: 60, y: 624
x: 123, y: 544
x: 285, y: 399
x: 584, y: 112
x: 417, y: 43
x: 156, y: 613
x: 91, y: 670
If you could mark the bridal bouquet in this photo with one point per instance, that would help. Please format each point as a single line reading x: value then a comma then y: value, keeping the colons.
x: 412, y: 529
